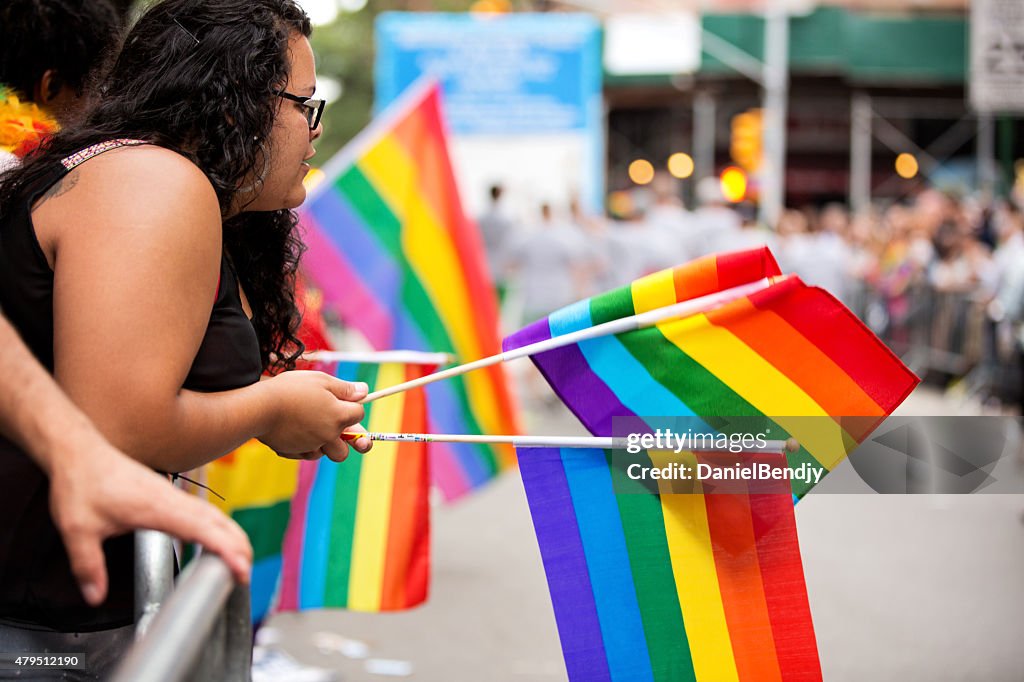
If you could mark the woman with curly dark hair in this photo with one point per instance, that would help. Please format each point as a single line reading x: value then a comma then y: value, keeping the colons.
x: 147, y: 257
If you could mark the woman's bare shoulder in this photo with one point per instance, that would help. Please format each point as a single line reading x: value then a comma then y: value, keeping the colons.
x: 143, y: 192
x: 146, y: 171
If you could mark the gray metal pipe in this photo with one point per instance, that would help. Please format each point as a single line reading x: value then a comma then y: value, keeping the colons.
x: 860, y: 152
x: 703, y: 135
x: 238, y: 636
x: 180, y: 630
x: 154, y: 575
x: 776, y: 108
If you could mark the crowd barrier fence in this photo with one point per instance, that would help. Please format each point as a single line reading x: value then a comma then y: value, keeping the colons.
x: 947, y: 336
x: 198, y: 631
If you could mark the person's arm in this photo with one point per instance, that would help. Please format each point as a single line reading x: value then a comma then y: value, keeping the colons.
x: 96, y: 491
x: 135, y: 241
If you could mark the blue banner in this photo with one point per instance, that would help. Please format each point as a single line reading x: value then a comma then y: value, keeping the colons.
x: 504, y: 74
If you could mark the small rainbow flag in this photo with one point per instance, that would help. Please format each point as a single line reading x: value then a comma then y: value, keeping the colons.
x: 359, y: 536
x: 786, y: 353
x: 666, y: 584
x: 257, y: 485
x: 396, y: 258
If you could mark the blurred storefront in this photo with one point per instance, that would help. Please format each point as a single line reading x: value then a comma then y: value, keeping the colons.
x: 898, y: 67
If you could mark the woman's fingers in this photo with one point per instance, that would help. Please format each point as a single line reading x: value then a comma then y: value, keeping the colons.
x: 360, y: 443
x: 335, y: 450
x: 352, y: 391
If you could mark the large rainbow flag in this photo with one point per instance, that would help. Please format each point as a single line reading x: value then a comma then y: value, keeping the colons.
x: 688, y: 584
x: 396, y: 258
x: 359, y: 536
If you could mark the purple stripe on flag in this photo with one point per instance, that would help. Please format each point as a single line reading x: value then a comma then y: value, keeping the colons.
x: 375, y: 266
x: 538, y: 331
x: 446, y: 415
x: 586, y: 394
x: 561, y: 548
x: 342, y: 288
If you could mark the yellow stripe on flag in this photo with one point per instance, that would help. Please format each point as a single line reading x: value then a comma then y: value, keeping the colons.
x: 251, y: 476
x: 762, y: 385
x: 693, y: 566
x: 376, y: 492
x: 654, y: 291
x: 433, y: 258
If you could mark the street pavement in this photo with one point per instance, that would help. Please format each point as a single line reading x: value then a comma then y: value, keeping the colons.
x: 902, y: 587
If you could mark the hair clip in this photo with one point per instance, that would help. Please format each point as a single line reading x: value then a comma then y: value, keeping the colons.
x: 187, y: 32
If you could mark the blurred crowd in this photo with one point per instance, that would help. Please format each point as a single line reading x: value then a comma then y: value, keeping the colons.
x: 939, y: 277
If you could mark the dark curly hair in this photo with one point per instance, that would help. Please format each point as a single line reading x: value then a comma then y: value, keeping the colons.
x: 69, y: 36
x: 199, y: 77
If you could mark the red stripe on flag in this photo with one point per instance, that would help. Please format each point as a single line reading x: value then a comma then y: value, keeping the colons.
x: 407, y: 559
x: 831, y: 327
x: 743, y: 267
x: 742, y: 586
x: 778, y: 551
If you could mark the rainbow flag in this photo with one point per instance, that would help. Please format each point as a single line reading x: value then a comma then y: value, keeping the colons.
x: 784, y: 354
x: 396, y: 258
x: 689, y: 584
x: 359, y: 536
x: 257, y: 487
x: 668, y: 585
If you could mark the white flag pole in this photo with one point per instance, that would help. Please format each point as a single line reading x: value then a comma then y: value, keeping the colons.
x: 650, y: 318
x: 602, y: 443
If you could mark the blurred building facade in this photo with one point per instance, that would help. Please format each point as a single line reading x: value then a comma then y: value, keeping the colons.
x: 904, y: 63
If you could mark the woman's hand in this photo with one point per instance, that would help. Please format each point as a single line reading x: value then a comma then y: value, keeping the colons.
x: 310, y: 412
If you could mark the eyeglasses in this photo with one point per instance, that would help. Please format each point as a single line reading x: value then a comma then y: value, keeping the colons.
x: 312, y: 108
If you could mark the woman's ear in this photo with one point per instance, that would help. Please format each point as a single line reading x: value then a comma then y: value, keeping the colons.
x: 53, y: 94
x: 49, y: 87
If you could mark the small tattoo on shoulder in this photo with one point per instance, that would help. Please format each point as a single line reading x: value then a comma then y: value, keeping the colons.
x: 62, y: 186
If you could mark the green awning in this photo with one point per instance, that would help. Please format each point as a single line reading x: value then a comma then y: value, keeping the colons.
x: 925, y: 49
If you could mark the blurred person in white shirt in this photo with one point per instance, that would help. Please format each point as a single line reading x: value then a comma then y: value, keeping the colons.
x: 550, y: 265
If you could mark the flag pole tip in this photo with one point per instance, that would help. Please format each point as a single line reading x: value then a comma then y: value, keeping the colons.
x: 792, y: 445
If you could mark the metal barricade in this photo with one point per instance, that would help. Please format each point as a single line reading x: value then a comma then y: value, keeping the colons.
x: 202, y: 630
x: 947, y: 337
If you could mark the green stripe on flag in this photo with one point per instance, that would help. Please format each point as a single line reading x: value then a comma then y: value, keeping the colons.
x: 380, y: 222
x: 643, y: 524
x: 704, y: 393
x: 265, y: 527
x: 343, y: 514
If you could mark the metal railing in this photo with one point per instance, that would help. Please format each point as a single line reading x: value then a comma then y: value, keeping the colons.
x: 199, y: 631
x: 949, y: 334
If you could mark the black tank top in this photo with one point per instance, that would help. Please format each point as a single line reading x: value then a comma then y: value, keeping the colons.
x: 36, y: 584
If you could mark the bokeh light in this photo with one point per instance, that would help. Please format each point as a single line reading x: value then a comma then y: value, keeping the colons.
x: 641, y: 171
x: 320, y: 11
x: 734, y: 184
x: 906, y: 165
x: 680, y: 165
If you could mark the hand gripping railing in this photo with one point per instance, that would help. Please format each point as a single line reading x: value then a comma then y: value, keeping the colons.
x: 201, y: 632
